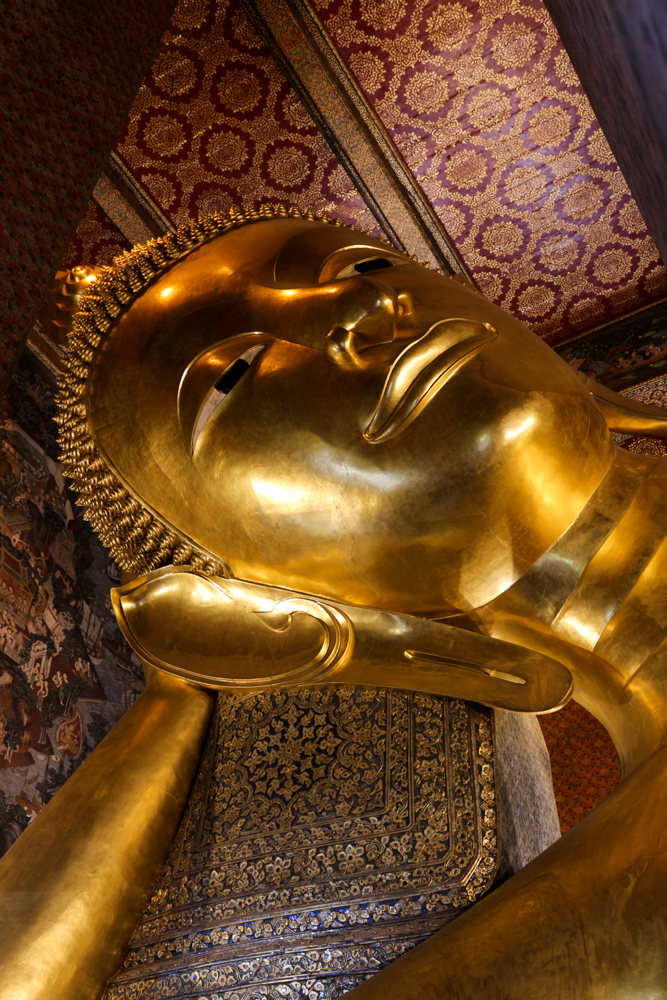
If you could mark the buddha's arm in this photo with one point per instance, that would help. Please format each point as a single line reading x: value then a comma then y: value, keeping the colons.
x: 74, y: 884
x: 586, y: 920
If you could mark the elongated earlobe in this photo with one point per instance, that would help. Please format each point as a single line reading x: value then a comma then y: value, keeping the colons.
x: 627, y: 416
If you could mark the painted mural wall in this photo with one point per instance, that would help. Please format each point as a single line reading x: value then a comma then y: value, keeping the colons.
x: 66, y: 675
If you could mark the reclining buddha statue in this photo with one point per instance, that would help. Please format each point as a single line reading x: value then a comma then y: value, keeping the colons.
x: 320, y: 463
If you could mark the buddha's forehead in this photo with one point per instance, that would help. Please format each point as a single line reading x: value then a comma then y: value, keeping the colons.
x: 291, y: 253
x: 318, y: 253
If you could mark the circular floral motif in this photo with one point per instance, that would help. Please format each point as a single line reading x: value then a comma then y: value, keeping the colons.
x: 502, y: 239
x: 551, y: 127
x: 467, y: 169
x: 164, y: 135
x: 488, y: 107
x: 368, y: 69
x: 427, y: 92
x: 586, y: 312
x: 344, y: 33
x: 226, y: 151
x: 494, y: 9
x: 538, y: 300
x: 173, y: 74
x: 404, y: 50
x: 189, y: 14
x: 583, y: 200
x: 525, y: 186
x: 492, y: 284
x: 446, y: 133
x: 382, y: 15
x: 209, y: 198
x: 160, y: 189
x: 288, y: 166
x: 559, y: 252
x: 611, y: 266
x: 449, y: 26
x: 239, y: 90
x: 513, y: 44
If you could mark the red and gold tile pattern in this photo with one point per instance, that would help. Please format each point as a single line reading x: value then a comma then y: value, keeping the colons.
x: 486, y: 109
x: 216, y: 124
x: 97, y: 239
x: 584, y: 763
x: 655, y: 394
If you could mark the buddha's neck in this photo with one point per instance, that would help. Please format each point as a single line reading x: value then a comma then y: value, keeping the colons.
x: 598, y: 601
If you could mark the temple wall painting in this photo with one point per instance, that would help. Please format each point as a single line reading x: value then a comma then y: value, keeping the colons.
x: 66, y: 674
x: 624, y: 353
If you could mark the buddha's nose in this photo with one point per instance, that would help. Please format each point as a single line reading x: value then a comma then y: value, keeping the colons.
x: 372, y: 319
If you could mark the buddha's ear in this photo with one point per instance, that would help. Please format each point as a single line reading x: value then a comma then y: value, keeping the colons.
x: 627, y: 416
x: 233, y: 634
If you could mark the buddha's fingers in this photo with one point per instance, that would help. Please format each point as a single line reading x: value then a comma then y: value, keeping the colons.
x: 586, y: 920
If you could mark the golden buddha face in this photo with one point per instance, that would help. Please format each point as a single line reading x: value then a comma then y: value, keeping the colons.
x: 324, y: 414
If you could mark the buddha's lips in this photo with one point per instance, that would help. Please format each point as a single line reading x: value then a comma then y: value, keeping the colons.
x: 422, y: 369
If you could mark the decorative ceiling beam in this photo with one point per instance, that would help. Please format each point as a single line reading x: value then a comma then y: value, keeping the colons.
x: 131, y: 190
x: 134, y: 226
x: 309, y: 60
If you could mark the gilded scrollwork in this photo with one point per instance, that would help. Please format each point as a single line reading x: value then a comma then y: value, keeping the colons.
x: 328, y: 831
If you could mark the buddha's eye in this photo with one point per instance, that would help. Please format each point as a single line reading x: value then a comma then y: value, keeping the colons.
x: 369, y: 265
x: 230, y: 377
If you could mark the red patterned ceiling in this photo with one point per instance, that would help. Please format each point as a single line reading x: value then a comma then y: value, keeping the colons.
x: 96, y: 240
x: 487, y: 111
x: 483, y: 105
x: 217, y: 124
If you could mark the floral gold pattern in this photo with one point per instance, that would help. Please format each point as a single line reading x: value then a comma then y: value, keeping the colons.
x: 215, y: 122
x: 482, y: 102
x: 328, y: 831
x: 97, y: 240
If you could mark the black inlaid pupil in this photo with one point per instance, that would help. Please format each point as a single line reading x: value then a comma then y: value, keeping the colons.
x: 372, y: 265
x: 227, y: 381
